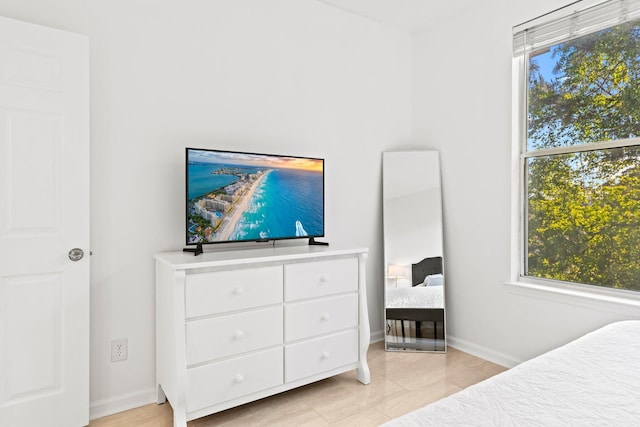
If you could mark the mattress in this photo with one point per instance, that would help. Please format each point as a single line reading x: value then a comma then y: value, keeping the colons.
x: 416, y: 297
x: 592, y: 381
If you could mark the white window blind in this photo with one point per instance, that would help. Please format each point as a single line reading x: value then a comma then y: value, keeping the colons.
x: 574, y: 20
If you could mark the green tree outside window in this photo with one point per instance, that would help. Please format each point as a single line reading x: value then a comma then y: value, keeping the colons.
x: 583, y: 160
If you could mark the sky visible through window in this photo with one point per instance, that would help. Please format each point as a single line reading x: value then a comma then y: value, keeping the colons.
x: 545, y: 63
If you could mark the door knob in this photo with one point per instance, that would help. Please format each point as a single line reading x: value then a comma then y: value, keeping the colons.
x: 76, y: 254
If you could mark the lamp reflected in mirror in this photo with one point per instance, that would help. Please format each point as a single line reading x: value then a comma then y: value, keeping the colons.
x: 396, y: 272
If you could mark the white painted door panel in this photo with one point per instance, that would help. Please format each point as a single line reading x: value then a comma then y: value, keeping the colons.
x: 44, y: 213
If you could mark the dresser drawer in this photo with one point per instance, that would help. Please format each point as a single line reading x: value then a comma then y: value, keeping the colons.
x: 309, y: 318
x: 212, y: 384
x: 213, y: 338
x: 230, y: 290
x: 319, y: 355
x: 320, y: 278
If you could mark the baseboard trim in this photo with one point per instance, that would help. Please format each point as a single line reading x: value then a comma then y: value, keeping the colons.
x: 104, y: 407
x: 377, y: 336
x: 482, y: 352
x: 468, y: 347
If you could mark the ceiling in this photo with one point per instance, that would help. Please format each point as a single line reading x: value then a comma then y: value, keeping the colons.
x: 409, y: 15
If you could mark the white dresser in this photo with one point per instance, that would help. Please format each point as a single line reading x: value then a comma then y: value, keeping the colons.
x: 240, y: 325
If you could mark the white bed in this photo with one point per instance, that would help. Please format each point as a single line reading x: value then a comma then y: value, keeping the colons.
x: 592, y: 381
x: 416, y: 297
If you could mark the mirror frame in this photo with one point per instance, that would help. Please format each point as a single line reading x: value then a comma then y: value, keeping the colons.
x: 414, y: 282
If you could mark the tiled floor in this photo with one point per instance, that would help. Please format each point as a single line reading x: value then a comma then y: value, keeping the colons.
x: 400, y: 382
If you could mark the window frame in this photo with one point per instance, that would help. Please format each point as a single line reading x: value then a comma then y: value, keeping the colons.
x: 590, y: 296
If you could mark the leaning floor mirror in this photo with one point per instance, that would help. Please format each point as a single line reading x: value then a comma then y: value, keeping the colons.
x: 413, y: 252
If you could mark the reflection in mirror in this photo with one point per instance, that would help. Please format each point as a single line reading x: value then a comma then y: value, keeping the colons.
x: 413, y: 252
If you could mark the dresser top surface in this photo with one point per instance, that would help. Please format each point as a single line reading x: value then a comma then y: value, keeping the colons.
x: 186, y: 260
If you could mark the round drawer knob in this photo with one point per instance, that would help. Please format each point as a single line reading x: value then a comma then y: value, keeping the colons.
x: 325, y: 317
x: 238, y: 291
x: 239, y: 378
x: 324, y: 279
x: 326, y: 355
x: 238, y: 334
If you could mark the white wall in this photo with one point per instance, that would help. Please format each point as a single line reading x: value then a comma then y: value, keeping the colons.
x: 462, y: 106
x: 302, y: 78
x: 285, y: 76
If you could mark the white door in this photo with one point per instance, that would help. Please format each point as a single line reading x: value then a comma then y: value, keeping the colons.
x: 44, y: 213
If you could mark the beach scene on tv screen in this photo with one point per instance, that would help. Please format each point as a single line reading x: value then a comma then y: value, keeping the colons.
x: 248, y: 197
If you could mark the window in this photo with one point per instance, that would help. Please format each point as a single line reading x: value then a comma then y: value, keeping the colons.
x: 578, y: 131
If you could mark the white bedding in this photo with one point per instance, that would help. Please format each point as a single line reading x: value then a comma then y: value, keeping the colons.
x: 415, y: 297
x: 592, y: 381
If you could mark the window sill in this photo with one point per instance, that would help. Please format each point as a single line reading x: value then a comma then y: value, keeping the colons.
x: 598, y: 299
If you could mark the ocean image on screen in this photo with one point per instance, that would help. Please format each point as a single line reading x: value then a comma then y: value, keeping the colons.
x: 250, y: 197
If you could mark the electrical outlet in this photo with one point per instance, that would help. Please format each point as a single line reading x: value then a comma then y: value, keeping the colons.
x: 119, y: 349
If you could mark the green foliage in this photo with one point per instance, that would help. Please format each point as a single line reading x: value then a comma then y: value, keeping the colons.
x: 584, y: 208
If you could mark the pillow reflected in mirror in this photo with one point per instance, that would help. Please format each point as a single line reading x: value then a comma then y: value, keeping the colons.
x: 434, y: 280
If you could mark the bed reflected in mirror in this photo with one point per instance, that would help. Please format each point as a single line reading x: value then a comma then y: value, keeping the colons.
x: 413, y: 252
x: 415, y: 313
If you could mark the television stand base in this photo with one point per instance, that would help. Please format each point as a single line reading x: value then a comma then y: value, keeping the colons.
x: 313, y: 242
x: 196, y: 251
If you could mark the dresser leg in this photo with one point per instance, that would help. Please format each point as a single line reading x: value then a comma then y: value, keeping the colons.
x: 363, y: 374
x: 179, y: 419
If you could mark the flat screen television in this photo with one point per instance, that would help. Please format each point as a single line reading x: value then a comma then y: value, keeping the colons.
x: 239, y: 197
